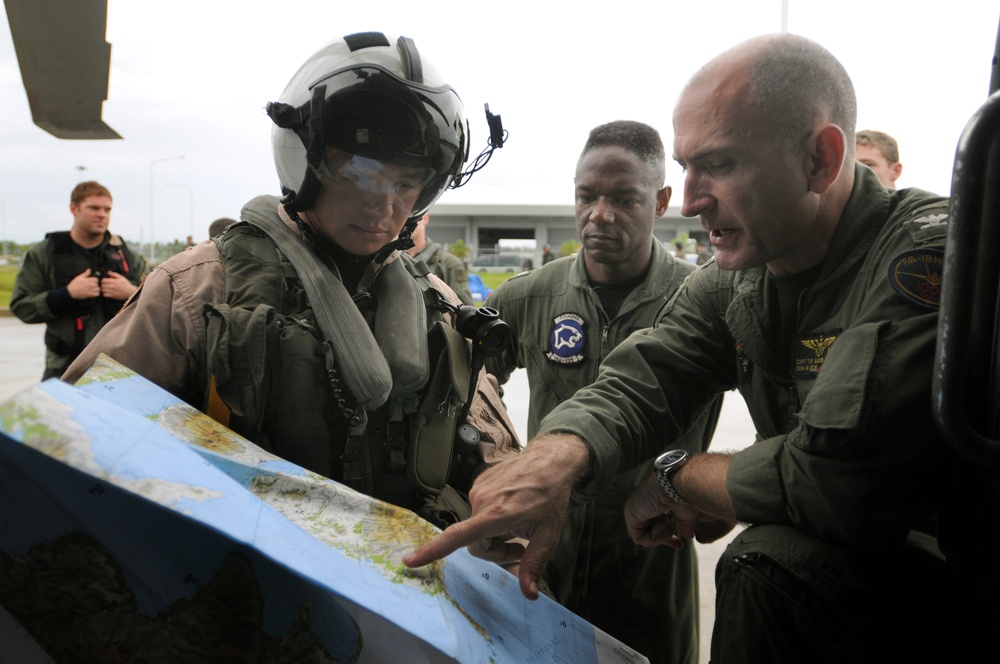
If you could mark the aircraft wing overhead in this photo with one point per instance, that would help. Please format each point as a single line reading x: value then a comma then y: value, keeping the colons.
x: 65, y: 61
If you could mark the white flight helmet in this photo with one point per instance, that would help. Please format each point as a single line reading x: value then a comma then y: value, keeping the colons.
x: 364, y: 95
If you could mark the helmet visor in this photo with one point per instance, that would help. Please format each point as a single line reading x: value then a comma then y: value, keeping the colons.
x: 381, y: 183
x: 372, y: 113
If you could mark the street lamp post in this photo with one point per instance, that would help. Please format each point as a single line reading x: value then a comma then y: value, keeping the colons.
x: 3, y: 230
x: 190, y: 192
x: 152, y: 215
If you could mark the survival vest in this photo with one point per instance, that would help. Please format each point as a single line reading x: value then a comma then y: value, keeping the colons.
x: 69, y: 260
x: 289, y: 387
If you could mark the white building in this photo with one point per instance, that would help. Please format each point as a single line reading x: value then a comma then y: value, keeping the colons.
x: 481, y: 227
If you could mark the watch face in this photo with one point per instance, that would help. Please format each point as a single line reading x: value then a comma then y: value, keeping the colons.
x: 668, y: 459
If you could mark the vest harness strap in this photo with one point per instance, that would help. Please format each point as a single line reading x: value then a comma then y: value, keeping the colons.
x: 402, y: 449
x: 359, y: 356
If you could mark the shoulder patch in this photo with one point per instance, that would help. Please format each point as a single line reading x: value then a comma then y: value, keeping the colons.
x: 930, y: 219
x: 566, y: 339
x: 916, y: 276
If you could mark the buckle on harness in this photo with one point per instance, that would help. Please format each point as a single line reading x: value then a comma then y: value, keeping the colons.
x: 352, y: 469
x: 396, y: 444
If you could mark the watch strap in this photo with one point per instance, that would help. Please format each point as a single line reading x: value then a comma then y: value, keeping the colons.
x: 668, y: 486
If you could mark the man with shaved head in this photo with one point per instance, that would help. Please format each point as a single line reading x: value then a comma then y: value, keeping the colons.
x: 821, y: 308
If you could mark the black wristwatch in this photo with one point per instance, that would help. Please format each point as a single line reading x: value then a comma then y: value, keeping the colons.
x: 664, y: 468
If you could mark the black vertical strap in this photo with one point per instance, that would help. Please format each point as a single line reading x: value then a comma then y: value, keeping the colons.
x: 411, y: 59
x: 316, y: 150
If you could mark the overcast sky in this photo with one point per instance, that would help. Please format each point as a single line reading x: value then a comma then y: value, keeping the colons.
x: 192, y: 77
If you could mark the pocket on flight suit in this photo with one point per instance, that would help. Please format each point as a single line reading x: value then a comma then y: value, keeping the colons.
x: 837, y: 400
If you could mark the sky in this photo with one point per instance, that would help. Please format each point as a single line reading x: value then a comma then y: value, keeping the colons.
x: 191, y: 78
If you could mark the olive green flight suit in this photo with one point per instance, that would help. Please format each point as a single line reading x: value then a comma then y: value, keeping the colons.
x: 846, y: 448
x: 647, y: 598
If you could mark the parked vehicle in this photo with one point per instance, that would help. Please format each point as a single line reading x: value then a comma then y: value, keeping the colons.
x: 498, y: 263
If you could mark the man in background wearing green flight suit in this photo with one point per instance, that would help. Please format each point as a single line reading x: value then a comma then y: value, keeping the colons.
x: 441, y: 262
x: 565, y: 318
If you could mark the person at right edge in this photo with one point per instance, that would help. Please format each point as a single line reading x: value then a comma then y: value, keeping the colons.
x: 287, y: 327
x: 565, y: 317
x: 821, y: 307
x: 880, y: 152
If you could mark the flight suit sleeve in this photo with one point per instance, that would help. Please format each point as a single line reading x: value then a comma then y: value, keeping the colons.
x: 29, y: 298
x: 487, y: 414
x: 652, y: 387
x: 497, y: 434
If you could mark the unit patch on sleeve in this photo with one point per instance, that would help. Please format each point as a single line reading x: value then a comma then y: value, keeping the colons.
x: 916, y: 275
x: 566, y: 339
x: 810, y: 354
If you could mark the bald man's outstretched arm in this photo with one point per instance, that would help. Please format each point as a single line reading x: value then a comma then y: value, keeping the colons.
x: 524, y: 497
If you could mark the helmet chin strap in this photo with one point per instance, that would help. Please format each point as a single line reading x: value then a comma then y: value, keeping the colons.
x: 294, y: 202
x: 403, y: 242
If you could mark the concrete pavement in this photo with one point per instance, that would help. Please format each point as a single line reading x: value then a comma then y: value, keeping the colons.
x: 22, y: 361
x: 22, y: 354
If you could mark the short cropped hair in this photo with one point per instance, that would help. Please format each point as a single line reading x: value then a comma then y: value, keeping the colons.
x: 881, y: 141
x: 795, y: 83
x: 85, y: 190
x: 219, y: 225
x: 640, y: 139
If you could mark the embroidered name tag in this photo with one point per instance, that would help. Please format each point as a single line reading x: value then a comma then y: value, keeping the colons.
x: 810, y: 353
x: 916, y: 275
x: 566, y: 339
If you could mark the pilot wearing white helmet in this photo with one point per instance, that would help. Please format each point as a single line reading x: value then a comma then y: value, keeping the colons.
x: 306, y: 327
